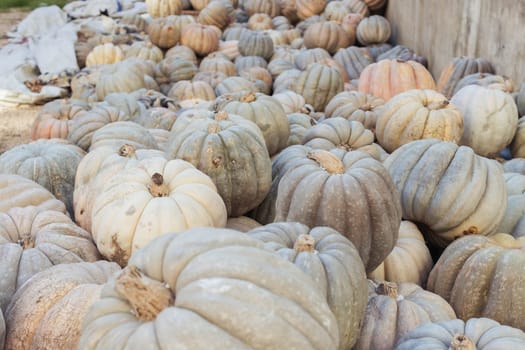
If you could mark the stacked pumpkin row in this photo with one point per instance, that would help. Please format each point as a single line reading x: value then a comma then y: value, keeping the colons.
x: 161, y: 138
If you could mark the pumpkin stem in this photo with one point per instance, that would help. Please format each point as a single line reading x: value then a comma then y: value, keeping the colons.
x: 387, y: 288
x: 147, y: 296
x: 126, y: 150
x: 472, y: 230
x: 249, y: 97
x: 304, y: 243
x: 462, y: 342
x: 366, y: 107
x: 27, y: 242
x: 437, y: 104
x: 327, y: 161
x: 157, y: 187
x: 220, y: 115
x: 214, y: 128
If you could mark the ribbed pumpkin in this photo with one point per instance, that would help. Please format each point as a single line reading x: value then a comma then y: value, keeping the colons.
x: 256, y: 43
x: 33, y: 240
x: 418, y: 114
x: 448, y: 188
x: 268, y: 114
x: 489, y: 80
x: 354, y: 105
x: 354, y: 60
x: 373, y: 30
x: 232, y: 152
x: 173, y: 69
x: 328, y: 35
x: 291, y: 101
x: 477, y: 275
x: 299, y: 124
x: 19, y: 191
x: 51, y: 163
x: 148, y: 199
x: 334, y: 264
x: 335, y: 11
x: 187, y: 90
x: 164, y: 32
x: 490, y: 118
x: 517, y: 146
x: 304, y: 58
x: 234, y: 84
x: 145, y: 51
x: 403, y: 53
x: 309, y: 8
x: 260, y: 21
x: 182, y: 51
x: 318, y: 84
x: 409, y: 261
x: 157, y: 118
x: 394, y: 309
x: 202, y: 39
x: 269, y: 7
x: 118, y: 133
x: 55, y: 123
x: 311, y: 193
x: 458, y: 68
x: 52, y: 304
x: 215, y: 14
x: 104, y: 54
x: 216, y: 62
x: 245, y: 62
x: 124, y: 76
x: 401, y: 76
x: 163, y: 8
x: 242, y: 223
x: 514, y: 219
x: 476, y: 333
x: 95, y: 169
x: 358, y: 7
x: 206, y: 288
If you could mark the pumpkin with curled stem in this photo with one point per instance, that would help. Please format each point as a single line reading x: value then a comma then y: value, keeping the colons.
x: 447, y: 189
x: 348, y: 191
x: 210, y: 288
x: 33, y: 240
x: 477, y: 276
x: 149, y: 198
x: 61, y: 294
x: 334, y: 264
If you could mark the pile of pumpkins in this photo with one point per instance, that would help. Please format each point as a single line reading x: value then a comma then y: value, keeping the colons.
x: 266, y: 174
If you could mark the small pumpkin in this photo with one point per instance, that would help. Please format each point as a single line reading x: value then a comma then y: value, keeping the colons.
x: 318, y: 84
x: 373, y: 30
x: 458, y: 68
x: 202, y: 39
x: 256, y: 43
x: 354, y: 60
x: 163, y: 8
x: 104, y: 54
x: 354, y: 105
x: 118, y: 133
x: 328, y: 35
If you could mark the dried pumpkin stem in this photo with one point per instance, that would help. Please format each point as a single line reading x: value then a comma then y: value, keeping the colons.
x: 437, y: 104
x: 147, y: 296
x: 214, y: 128
x: 327, y: 161
x: 462, y: 342
x: 304, y: 243
x: 126, y: 150
x: 249, y: 97
x: 157, y: 187
x: 27, y: 242
x: 387, y: 288
x: 221, y: 115
x: 366, y: 107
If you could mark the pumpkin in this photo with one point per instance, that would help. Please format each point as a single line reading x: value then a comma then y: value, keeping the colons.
x: 403, y: 53
x: 354, y: 60
x: 304, y: 58
x: 299, y: 124
x: 287, y: 80
x: 173, y: 69
x: 132, y: 105
x: 211, y: 78
x: 51, y: 163
x: 82, y: 128
x: 335, y: 11
x: 104, y: 54
x: 164, y: 32
x: 187, y: 90
x: 230, y: 48
x: 33, y: 240
x: 95, y: 169
x: 279, y: 65
x: 357, y: 7
x: 216, y: 62
x: 268, y: 114
x: 182, y: 51
x: 394, y: 309
x: 489, y: 80
x: 149, y: 198
x: 234, y: 84
x: 517, y: 144
x: 19, y: 191
x: 350, y: 23
x: 245, y: 62
x: 199, y: 4
x: 409, y: 261
x: 328, y: 35
x: 334, y: 264
x: 163, y: 8
x: 476, y: 333
x: 513, y: 221
x: 458, y: 68
x: 145, y: 51
x: 242, y: 223
x: 373, y: 30
x: 256, y: 43
x: 310, y: 192
x: 354, y: 105
x: 462, y: 193
x: 232, y: 152
x: 309, y: 8
x: 118, y: 133
x: 515, y: 165
x: 202, y: 39
x: 401, y: 76
x: 281, y: 23
x: 477, y: 276
x: 291, y: 101
x: 519, y: 98
x: 52, y: 304
x: 418, y: 114
x: 318, y: 84
x: 490, y: 118
x: 55, y: 123
x: 257, y: 73
x: 157, y: 118
x: 208, y: 287
x: 269, y: 7
x: 260, y: 21
x: 216, y: 13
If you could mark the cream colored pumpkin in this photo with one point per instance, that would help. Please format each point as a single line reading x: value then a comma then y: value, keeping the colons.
x: 104, y: 54
x: 153, y: 197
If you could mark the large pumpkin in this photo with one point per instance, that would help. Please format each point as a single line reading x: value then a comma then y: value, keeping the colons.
x: 33, y: 240
x: 51, y: 163
x: 232, y: 151
x: 514, y: 219
x: 448, y: 189
x: 478, y: 276
x: 394, y: 309
x: 490, y: 118
x: 418, y: 114
x: 118, y: 133
x: 328, y: 35
x: 210, y: 288
x: 348, y: 191
x: 150, y: 198
x: 318, y: 84
x: 333, y: 263
x: 399, y: 76
x: 47, y: 312
x: 476, y: 333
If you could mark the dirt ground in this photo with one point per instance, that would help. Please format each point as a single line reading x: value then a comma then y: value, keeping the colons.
x: 15, y: 122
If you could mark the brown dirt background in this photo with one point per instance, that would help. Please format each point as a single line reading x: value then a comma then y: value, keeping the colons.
x: 15, y: 122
